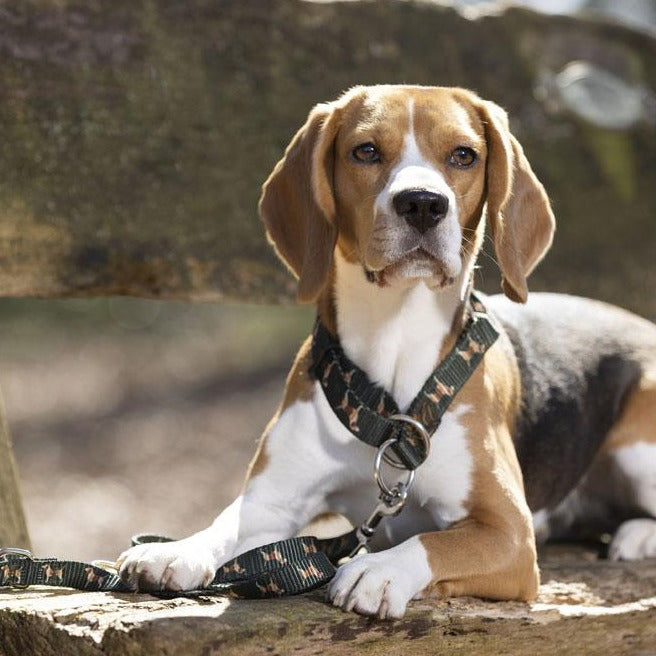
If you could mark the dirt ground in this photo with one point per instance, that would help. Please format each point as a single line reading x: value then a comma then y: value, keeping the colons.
x: 124, y: 423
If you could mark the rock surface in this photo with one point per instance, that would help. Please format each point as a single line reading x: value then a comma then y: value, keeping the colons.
x: 586, y: 606
x: 136, y: 135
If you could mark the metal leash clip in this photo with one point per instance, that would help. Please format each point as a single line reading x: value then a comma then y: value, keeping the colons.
x: 390, y: 501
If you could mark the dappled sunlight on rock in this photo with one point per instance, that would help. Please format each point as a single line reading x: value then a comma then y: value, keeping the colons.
x: 557, y: 592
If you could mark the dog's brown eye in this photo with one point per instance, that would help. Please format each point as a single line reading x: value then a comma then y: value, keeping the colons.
x: 462, y: 156
x: 367, y: 153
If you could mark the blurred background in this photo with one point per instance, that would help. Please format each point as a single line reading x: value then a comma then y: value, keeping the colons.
x: 133, y: 415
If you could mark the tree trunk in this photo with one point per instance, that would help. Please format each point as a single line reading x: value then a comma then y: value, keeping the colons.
x: 13, y: 529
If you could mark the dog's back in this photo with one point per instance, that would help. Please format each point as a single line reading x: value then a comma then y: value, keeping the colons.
x: 582, y: 362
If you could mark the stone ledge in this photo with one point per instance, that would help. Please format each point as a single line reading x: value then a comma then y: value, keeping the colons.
x: 135, y: 136
x: 585, y: 606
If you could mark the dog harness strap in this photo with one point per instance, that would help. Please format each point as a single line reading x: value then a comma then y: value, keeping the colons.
x: 287, y: 567
x: 365, y: 408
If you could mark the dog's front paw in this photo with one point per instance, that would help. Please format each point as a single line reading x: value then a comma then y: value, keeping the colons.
x: 180, y: 565
x: 381, y: 584
x: 634, y: 540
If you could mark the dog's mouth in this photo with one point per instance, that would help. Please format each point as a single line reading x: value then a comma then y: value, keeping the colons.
x: 418, y: 264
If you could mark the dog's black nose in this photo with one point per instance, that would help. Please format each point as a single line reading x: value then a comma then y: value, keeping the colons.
x: 421, y: 209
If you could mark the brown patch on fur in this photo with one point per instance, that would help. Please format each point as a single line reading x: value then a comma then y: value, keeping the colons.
x: 299, y: 387
x: 327, y: 517
x: 444, y: 120
x: 326, y: 309
x: 637, y: 423
x: 327, y: 525
x: 260, y: 460
x: 297, y: 204
x: 519, y: 215
x: 459, y: 321
x: 491, y: 553
x: 300, y: 382
x: 372, y: 115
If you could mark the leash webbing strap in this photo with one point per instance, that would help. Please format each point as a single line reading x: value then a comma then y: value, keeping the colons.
x: 20, y: 571
x: 364, y: 408
x: 287, y: 567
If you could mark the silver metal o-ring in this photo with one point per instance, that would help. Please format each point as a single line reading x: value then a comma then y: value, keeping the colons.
x: 399, y: 488
x: 421, y: 431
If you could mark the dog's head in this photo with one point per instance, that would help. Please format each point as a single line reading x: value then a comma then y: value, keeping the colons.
x: 398, y: 177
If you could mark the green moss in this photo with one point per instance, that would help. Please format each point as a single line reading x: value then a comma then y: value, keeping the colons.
x: 136, y: 135
x: 613, y: 151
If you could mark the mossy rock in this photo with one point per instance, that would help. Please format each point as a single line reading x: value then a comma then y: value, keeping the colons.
x: 136, y: 135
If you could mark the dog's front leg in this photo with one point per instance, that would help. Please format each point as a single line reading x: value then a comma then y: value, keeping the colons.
x: 469, y: 559
x: 490, y: 553
x: 282, y: 494
x: 247, y: 522
x: 189, y: 563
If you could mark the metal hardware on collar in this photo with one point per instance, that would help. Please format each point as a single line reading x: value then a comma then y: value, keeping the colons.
x: 388, y: 506
x: 421, y: 431
x: 366, y: 409
x: 384, y: 488
x: 391, y: 499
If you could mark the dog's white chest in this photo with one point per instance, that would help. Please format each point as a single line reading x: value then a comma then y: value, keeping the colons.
x: 440, y: 490
x: 394, y: 335
x: 442, y: 483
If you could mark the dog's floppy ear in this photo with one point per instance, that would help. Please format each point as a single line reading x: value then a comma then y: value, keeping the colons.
x: 519, y: 215
x: 298, y: 206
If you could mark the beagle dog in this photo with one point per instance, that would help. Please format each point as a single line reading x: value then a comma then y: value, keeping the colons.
x: 379, y: 208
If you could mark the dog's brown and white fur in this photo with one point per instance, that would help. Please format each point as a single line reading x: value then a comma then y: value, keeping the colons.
x: 568, y: 391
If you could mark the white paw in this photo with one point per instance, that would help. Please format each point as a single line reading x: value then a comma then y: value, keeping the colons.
x: 180, y: 565
x: 383, y: 583
x: 634, y: 540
